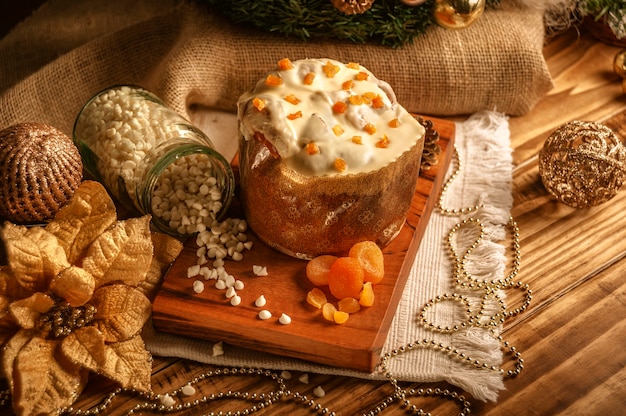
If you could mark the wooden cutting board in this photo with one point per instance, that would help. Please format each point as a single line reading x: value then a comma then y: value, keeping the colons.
x: 356, y: 345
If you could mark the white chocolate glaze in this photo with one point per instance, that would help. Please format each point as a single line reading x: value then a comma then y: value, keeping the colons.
x: 313, y: 134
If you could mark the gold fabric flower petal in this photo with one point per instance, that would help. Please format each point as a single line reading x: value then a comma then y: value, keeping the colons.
x: 89, y: 212
x: 8, y: 326
x: 166, y: 249
x: 123, y: 253
x: 10, y: 287
x: 43, y: 382
x: 85, y: 346
x: 121, y: 311
x: 129, y: 363
x: 75, y: 285
x: 11, y: 349
x: 26, y: 312
x: 34, y: 254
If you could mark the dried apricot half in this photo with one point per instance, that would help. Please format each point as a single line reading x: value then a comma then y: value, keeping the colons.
x: 318, y: 267
x: 371, y: 259
x: 345, y: 278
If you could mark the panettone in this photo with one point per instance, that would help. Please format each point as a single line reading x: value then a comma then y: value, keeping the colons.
x: 40, y: 168
x: 328, y: 158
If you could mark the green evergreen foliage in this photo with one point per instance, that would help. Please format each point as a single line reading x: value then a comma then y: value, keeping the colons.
x: 388, y: 22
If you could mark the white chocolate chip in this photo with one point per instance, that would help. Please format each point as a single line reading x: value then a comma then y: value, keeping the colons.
x: 198, y: 286
x: 235, y: 300
x: 259, y: 270
x: 285, y: 375
x: 284, y: 319
x: 188, y: 390
x: 218, y: 349
x: 304, y: 378
x: 193, y: 270
x: 265, y: 314
x: 167, y: 400
x: 260, y: 301
x: 230, y: 292
x: 319, y: 392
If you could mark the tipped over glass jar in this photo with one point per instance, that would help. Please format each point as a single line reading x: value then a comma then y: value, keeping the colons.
x: 154, y: 161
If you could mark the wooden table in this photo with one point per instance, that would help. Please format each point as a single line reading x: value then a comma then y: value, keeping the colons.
x: 572, y: 337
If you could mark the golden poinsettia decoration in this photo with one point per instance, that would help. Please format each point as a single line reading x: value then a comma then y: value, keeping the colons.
x: 74, y: 298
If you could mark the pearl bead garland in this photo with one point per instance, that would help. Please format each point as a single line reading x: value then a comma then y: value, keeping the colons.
x: 461, y: 278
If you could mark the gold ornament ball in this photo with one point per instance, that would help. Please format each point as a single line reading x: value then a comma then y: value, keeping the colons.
x: 619, y: 63
x: 583, y: 164
x: 457, y: 14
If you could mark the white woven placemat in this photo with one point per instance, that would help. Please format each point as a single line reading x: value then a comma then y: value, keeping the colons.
x: 486, y: 169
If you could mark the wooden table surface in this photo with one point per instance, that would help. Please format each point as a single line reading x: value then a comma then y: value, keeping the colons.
x: 573, y: 335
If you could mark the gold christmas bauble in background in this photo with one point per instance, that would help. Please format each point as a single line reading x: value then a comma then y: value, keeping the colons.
x: 583, y: 164
x: 619, y: 63
x: 619, y: 67
x: 457, y: 14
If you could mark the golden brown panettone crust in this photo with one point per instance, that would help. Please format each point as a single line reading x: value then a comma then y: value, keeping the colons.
x: 40, y: 168
x: 308, y: 216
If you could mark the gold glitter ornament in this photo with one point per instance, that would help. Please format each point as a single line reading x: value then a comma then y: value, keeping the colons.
x: 457, y: 14
x: 583, y: 164
x: 619, y: 63
x: 352, y: 6
x: 619, y: 67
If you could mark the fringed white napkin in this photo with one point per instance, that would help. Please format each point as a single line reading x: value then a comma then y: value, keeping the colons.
x: 482, y: 142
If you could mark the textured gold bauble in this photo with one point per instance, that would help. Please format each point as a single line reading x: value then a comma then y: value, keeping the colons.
x: 457, y: 14
x: 583, y: 164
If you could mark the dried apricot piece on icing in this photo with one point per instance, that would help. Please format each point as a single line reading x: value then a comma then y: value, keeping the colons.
x: 345, y: 278
x: 371, y: 259
x: 317, y: 269
x: 285, y: 64
x: 366, y: 297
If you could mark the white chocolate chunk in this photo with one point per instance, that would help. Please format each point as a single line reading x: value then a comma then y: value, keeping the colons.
x: 198, y: 286
x: 259, y: 270
x: 319, y: 392
x: 260, y: 301
x: 188, y: 390
x: 265, y: 314
x: 167, y: 400
x: 235, y: 300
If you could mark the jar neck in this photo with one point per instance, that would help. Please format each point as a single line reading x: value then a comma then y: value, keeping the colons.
x: 162, y: 157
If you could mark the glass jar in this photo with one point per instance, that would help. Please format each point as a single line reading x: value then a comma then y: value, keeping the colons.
x: 153, y: 160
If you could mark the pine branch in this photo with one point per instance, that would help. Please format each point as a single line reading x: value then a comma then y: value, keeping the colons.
x: 388, y: 22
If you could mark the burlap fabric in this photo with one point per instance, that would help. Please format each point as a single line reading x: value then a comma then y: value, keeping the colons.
x: 54, y: 61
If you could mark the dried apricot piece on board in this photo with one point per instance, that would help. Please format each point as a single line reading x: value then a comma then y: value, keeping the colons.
x: 371, y: 259
x: 316, y: 298
x: 318, y: 267
x: 366, y: 297
x: 340, y: 317
x: 345, y: 278
x: 328, y: 311
x: 349, y: 305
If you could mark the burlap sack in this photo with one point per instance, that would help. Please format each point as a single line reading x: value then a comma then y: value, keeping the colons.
x: 53, y: 62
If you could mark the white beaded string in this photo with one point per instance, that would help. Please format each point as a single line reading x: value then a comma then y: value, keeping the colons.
x: 461, y: 278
